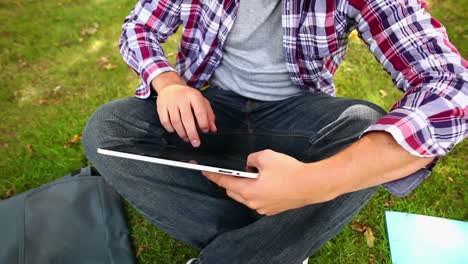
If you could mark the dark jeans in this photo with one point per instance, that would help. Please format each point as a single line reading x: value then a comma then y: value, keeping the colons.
x: 190, y: 208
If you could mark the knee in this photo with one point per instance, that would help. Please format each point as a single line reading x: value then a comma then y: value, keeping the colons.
x: 354, y: 118
x: 122, y: 121
x: 362, y: 114
x: 101, y: 126
x: 95, y: 127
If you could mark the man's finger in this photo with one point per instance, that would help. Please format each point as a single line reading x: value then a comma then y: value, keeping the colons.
x: 215, y: 177
x: 177, y: 122
x: 261, y: 211
x: 189, y: 125
x: 164, y: 118
x: 213, y: 127
x: 251, y: 169
x: 211, y: 117
x: 199, y: 110
x: 225, y: 181
x: 253, y: 160
x: 236, y: 196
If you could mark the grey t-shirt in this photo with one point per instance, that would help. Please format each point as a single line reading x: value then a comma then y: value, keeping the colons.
x: 253, y: 63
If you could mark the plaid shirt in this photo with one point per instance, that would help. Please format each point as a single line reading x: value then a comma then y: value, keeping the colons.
x: 412, y: 46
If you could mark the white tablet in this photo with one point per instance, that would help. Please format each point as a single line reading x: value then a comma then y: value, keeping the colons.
x: 189, y: 158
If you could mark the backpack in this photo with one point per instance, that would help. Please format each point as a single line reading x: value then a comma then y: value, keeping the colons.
x: 75, y: 219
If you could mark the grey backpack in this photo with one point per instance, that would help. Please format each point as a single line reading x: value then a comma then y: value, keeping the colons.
x: 75, y: 219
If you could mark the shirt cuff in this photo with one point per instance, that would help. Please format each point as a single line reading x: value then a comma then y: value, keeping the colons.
x: 414, y: 133
x: 149, y: 69
x: 411, y: 130
x: 404, y: 186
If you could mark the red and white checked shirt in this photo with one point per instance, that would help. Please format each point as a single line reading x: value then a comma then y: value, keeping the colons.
x: 413, y: 47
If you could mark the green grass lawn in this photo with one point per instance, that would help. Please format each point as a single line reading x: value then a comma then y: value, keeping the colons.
x: 59, y: 61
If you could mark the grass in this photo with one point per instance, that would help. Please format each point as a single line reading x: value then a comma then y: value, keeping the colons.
x: 60, y: 61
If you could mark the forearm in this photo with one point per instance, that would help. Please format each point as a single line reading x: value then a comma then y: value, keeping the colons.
x: 373, y: 160
x: 142, y: 34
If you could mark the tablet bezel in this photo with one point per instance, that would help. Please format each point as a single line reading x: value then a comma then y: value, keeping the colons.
x: 180, y: 164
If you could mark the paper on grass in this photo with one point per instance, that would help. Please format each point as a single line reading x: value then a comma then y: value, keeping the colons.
x: 425, y: 239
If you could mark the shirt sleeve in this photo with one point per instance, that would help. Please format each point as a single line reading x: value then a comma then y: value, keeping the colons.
x: 148, y: 25
x: 414, y: 48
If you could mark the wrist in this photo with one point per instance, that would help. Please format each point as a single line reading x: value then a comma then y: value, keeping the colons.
x: 165, y: 80
x: 331, y: 175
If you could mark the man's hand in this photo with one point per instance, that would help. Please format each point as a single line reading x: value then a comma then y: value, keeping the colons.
x: 177, y: 104
x: 285, y: 183
x: 281, y: 184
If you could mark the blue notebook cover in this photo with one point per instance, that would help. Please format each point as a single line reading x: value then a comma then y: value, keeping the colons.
x: 425, y: 239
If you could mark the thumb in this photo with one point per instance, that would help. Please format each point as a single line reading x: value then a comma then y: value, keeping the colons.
x: 254, y: 160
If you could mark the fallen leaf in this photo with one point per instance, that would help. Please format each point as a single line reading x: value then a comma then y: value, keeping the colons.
x: 370, y: 238
x: 10, y: 192
x: 383, y: 93
x: 358, y: 227
x: 103, y: 60
x: 389, y: 202
x: 23, y: 64
x: 76, y: 138
x: 139, y: 251
x: 110, y: 66
x: 371, y: 261
x: 450, y: 179
x: 106, y: 63
x: 40, y: 67
x: 89, y: 31
x: 28, y: 148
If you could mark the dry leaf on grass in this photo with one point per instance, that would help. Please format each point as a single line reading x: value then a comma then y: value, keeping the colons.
x: 9, y: 193
x: 383, y: 93
x: 389, y: 202
x: 106, y: 63
x: 139, y: 251
x: 358, y: 227
x: 43, y: 101
x: 89, y: 31
x: 371, y: 261
x: 103, y: 60
x: 22, y: 63
x: 367, y: 231
x: 110, y: 66
x: 450, y: 179
x: 75, y: 139
x: 28, y: 148
x: 370, y: 238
